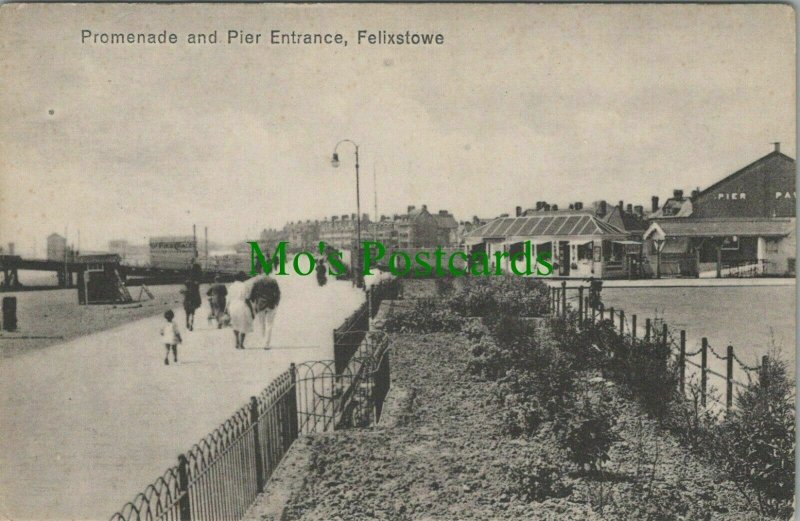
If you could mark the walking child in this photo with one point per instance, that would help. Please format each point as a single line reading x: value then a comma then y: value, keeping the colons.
x: 172, y: 337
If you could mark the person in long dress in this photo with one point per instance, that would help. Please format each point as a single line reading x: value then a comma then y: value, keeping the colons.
x: 191, y: 301
x: 263, y: 297
x: 239, y: 310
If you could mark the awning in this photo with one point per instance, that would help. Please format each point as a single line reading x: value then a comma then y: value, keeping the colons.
x: 741, y: 227
x: 628, y: 242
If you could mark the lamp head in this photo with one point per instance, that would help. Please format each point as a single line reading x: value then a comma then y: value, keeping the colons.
x: 335, y: 160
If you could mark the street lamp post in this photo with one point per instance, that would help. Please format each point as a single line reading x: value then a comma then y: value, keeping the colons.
x: 335, y: 164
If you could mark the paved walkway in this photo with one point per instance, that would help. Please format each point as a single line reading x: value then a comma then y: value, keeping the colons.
x: 88, y: 423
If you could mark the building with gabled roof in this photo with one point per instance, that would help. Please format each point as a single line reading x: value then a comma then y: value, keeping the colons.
x: 580, y: 243
x: 742, y: 225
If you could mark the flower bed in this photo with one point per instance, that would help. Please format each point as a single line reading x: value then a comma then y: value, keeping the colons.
x: 451, y: 459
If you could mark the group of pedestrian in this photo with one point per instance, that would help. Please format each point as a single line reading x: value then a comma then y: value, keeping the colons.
x: 248, y: 302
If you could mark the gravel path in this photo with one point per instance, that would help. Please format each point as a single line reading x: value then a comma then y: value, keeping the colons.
x: 446, y: 459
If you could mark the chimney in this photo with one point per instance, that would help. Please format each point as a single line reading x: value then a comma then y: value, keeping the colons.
x: 629, y: 208
x: 677, y: 194
x: 579, y: 205
x: 555, y: 207
x: 571, y: 206
x: 540, y: 205
x: 410, y: 208
x: 545, y: 206
x: 639, y: 209
x: 777, y: 146
x: 602, y: 209
x: 518, y: 211
x: 695, y: 193
x: 621, y: 206
x: 424, y: 207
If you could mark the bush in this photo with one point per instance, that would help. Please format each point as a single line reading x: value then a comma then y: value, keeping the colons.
x: 507, y: 295
x: 644, y: 368
x: 586, y: 430
x: 579, y: 343
x: 444, y: 286
x: 757, y: 440
x: 489, y: 360
x: 474, y: 330
x: 539, y: 475
x: 424, y: 317
x: 521, y: 415
x: 694, y: 425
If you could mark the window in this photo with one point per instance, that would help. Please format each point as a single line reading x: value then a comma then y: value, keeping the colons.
x: 585, y: 251
x: 772, y: 246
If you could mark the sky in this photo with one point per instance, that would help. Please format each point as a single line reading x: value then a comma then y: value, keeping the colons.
x: 521, y: 103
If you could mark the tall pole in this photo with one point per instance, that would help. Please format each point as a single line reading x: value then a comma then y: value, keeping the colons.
x: 66, y: 249
x: 358, y: 224
x: 375, y: 199
x: 206, y: 237
x: 194, y: 240
x: 335, y: 163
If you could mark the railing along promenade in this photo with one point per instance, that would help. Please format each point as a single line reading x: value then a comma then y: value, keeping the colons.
x: 219, y: 477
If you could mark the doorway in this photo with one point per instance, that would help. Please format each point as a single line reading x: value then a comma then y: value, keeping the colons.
x: 563, y: 258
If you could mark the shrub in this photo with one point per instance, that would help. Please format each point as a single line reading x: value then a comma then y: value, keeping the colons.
x: 579, y: 343
x: 489, y: 360
x: 644, y: 368
x: 423, y: 317
x: 521, y: 415
x: 509, y: 295
x: 474, y: 330
x: 652, y: 377
x: 586, y: 429
x: 694, y: 425
x: 756, y: 445
x: 444, y: 286
x: 539, y: 475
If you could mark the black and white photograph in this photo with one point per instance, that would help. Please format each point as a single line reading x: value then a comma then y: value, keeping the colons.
x: 402, y: 262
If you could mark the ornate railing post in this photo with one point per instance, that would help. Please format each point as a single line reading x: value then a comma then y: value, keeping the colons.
x: 580, y: 307
x: 184, y: 505
x: 564, y: 299
x: 703, y: 370
x: 682, y: 363
x: 729, y: 381
x: 257, y: 442
x: 293, y: 427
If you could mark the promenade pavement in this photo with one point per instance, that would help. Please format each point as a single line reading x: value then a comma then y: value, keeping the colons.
x: 90, y: 422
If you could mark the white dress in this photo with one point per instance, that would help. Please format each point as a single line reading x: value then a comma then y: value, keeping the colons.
x: 241, y: 318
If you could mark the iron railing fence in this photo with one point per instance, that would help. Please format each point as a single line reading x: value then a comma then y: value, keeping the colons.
x: 351, y: 334
x: 656, y: 330
x: 220, y: 477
